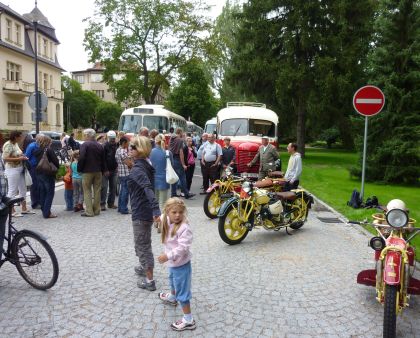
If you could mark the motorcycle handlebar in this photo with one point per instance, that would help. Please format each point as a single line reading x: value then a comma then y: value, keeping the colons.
x: 354, y: 222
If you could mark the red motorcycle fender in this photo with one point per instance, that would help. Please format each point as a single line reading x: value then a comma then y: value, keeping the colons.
x: 213, y: 187
x: 392, y: 268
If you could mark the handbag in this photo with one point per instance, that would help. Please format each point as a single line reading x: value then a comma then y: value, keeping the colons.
x: 171, y: 176
x: 45, y: 166
x: 68, y: 176
x: 28, y: 178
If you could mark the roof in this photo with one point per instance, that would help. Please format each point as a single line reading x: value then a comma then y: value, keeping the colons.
x: 247, y: 112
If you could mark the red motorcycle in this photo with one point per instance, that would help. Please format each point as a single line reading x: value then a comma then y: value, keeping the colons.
x: 395, y: 262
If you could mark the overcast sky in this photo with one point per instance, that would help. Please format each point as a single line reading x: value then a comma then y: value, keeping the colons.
x: 66, y: 17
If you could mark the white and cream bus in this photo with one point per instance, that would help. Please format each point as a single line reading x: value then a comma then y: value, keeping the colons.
x: 152, y: 116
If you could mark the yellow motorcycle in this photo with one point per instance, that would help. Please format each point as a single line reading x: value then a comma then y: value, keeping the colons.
x: 254, y: 207
x: 223, y: 189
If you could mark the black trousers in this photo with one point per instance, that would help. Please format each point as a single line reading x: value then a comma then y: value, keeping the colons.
x: 210, y: 173
x: 3, y: 218
x: 289, y: 186
x: 189, y: 173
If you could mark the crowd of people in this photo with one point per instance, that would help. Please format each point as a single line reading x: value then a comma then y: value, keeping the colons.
x: 139, y: 164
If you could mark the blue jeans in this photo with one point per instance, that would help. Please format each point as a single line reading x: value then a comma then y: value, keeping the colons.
x: 123, y: 197
x: 34, y: 188
x: 177, y: 165
x: 46, y: 193
x: 180, y: 282
x: 68, y: 197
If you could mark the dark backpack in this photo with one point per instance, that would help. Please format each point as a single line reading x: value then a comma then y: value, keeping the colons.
x: 355, y: 200
x: 371, y: 202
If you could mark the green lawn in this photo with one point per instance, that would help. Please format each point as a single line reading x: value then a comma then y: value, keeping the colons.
x: 326, y: 175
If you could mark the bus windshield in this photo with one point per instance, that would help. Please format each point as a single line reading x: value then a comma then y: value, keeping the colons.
x: 210, y: 128
x: 242, y: 127
x: 130, y: 123
x: 159, y: 123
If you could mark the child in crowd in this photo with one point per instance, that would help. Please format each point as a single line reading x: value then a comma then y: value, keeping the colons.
x: 77, y: 183
x: 68, y: 188
x: 177, y: 239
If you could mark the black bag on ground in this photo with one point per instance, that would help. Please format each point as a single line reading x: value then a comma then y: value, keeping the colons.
x: 355, y: 201
x: 371, y: 202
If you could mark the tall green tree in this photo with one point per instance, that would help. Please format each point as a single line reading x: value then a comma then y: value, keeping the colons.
x: 193, y: 97
x: 394, y: 134
x: 108, y: 114
x: 144, y: 42
x: 81, y: 104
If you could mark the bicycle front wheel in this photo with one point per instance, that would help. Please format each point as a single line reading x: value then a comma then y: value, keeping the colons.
x: 35, y: 260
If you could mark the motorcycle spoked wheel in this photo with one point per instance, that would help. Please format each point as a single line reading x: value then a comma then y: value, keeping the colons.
x: 298, y: 217
x: 212, y: 204
x: 231, y: 230
x: 390, y: 311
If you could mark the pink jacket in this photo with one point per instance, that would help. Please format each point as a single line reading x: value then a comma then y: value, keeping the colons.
x: 177, y: 248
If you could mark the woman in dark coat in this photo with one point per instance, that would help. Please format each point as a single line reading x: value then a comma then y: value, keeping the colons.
x: 144, y: 209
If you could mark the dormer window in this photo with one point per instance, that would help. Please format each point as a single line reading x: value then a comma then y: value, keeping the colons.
x: 45, y: 47
x: 18, y: 34
x: 8, y: 30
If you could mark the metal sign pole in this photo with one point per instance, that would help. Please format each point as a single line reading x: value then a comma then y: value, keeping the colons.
x: 37, y: 98
x: 362, y: 190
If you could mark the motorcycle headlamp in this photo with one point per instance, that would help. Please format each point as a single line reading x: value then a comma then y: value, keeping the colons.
x: 397, y: 218
x: 377, y: 243
x: 246, y: 186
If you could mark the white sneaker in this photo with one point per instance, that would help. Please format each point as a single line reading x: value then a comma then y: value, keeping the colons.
x: 182, y: 324
x: 167, y: 299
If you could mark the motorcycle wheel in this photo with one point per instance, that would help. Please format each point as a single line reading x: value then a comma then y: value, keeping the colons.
x: 212, y: 203
x: 299, y: 216
x: 231, y: 230
x: 390, y: 311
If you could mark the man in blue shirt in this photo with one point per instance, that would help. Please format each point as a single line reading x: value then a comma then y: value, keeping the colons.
x: 29, y: 153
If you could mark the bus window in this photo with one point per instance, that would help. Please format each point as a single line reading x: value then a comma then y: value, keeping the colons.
x: 234, y: 127
x: 130, y: 124
x: 159, y: 123
x: 210, y: 128
x: 262, y: 128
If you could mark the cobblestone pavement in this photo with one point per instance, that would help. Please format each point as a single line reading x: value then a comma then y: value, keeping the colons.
x: 271, y: 285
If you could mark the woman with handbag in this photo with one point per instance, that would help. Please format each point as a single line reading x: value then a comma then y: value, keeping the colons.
x: 14, y: 170
x: 192, y: 155
x: 47, y: 166
x: 158, y: 159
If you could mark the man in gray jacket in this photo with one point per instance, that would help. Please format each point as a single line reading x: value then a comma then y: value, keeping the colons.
x: 267, y: 155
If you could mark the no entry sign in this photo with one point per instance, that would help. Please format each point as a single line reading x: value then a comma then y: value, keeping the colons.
x: 368, y: 100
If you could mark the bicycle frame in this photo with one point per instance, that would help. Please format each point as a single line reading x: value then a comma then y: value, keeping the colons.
x: 11, y: 232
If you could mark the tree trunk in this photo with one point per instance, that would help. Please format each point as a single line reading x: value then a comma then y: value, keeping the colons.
x: 301, y: 120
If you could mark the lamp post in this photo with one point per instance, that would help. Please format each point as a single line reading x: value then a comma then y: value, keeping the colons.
x: 37, y: 98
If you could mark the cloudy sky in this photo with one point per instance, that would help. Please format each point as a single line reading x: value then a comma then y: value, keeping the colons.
x: 66, y: 17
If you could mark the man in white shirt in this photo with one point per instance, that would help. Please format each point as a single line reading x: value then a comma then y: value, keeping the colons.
x: 294, y: 168
x: 210, y: 160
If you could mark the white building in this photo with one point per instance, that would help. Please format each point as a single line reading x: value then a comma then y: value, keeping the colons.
x: 17, y: 70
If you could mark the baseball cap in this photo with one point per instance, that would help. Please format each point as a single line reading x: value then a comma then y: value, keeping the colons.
x: 111, y: 134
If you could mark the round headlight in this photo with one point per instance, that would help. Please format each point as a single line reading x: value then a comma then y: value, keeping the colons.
x: 246, y: 186
x: 397, y: 218
x: 377, y: 243
x: 228, y: 171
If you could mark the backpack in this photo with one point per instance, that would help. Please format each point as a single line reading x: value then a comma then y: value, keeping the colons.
x: 355, y: 201
x: 371, y: 202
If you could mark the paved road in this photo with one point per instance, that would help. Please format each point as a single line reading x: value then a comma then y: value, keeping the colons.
x: 271, y: 285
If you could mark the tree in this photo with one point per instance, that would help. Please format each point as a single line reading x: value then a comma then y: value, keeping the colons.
x: 80, y: 103
x: 193, y: 98
x: 143, y: 42
x: 108, y: 115
x: 394, y: 134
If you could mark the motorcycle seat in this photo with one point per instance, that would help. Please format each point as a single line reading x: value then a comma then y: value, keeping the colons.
x: 286, y: 195
x: 264, y: 183
x: 277, y: 174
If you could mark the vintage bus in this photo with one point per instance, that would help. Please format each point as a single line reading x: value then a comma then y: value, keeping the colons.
x: 193, y: 128
x: 245, y: 123
x: 152, y: 116
x: 210, y: 126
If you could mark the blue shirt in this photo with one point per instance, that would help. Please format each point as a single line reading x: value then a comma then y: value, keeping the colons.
x: 74, y: 173
x: 29, y: 153
x: 158, y: 159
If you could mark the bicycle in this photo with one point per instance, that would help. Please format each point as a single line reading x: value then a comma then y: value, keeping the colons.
x: 29, y: 251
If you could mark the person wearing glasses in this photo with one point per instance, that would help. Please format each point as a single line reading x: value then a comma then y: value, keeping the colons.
x: 144, y: 209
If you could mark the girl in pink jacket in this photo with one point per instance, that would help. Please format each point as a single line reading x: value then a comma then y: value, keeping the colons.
x: 177, y: 239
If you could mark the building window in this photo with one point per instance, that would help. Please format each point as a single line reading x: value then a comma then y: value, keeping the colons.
x: 80, y: 78
x: 40, y: 80
x: 8, y: 30
x: 13, y: 72
x: 96, y: 78
x: 45, y: 47
x: 58, y: 115
x: 18, y: 35
x: 15, y: 113
x: 39, y: 44
x: 51, y: 50
x: 51, y: 82
x: 100, y: 93
x: 45, y: 82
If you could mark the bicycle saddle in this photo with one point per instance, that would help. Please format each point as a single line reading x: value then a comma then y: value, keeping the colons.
x: 264, y: 184
x: 286, y: 195
x: 277, y: 174
x: 12, y: 201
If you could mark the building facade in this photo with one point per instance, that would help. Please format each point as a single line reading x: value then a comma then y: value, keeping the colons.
x: 17, y: 71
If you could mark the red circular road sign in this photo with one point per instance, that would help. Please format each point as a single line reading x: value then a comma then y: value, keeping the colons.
x: 368, y: 100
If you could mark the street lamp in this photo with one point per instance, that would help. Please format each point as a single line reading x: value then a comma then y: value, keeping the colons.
x: 37, y: 98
